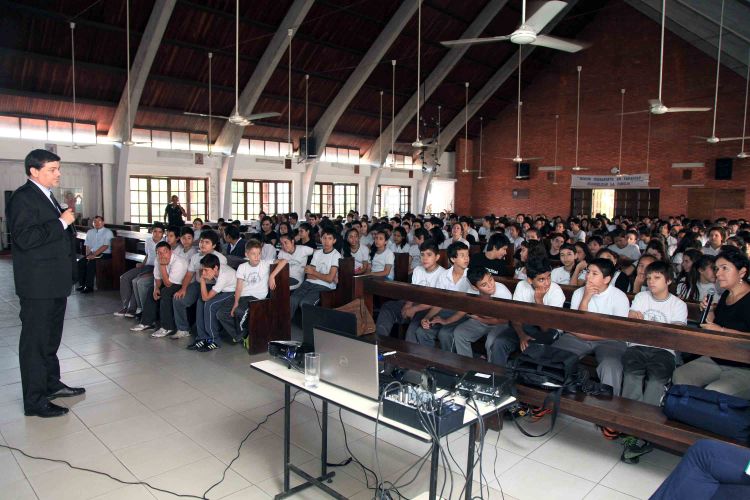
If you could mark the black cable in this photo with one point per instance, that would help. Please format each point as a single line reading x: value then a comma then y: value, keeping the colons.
x: 365, y: 469
x: 144, y: 483
x: 344, y: 462
x: 494, y: 463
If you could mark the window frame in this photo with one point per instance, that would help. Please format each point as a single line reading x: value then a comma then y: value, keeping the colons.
x: 404, y: 192
x: 264, y: 204
x: 186, y: 197
x: 325, y: 200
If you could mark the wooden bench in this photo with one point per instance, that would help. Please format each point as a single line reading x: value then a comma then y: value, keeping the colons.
x: 625, y: 415
x: 269, y: 319
x: 344, y: 291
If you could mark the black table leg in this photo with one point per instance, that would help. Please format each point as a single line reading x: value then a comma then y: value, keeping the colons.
x: 287, y: 435
x: 434, y: 469
x: 470, y: 460
x: 324, y: 440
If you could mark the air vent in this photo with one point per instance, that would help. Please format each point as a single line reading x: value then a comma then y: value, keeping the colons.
x: 174, y: 155
x: 269, y: 161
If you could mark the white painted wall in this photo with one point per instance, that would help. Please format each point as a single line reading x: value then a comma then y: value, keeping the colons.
x: 149, y: 161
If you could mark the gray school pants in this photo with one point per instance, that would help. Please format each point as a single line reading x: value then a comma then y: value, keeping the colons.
x: 646, y: 370
x: 470, y: 331
x: 608, y: 357
x: 128, y: 285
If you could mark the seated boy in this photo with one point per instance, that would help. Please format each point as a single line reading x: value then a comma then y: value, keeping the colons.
x: 296, y: 256
x: 402, y: 311
x: 168, y: 274
x: 190, y: 290
x: 426, y: 331
x: 537, y: 288
x: 128, y: 281
x: 321, y: 272
x: 253, y: 279
x: 475, y: 327
x: 415, y: 251
x: 646, y: 370
x: 211, y: 300
x: 97, y: 246
x: 493, y: 256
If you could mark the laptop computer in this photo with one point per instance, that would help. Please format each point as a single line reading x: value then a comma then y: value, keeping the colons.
x: 342, y: 323
x: 348, y: 362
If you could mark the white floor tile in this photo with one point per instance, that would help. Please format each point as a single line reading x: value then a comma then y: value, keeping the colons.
x: 111, y: 411
x: 17, y: 490
x: 638, y: 480
x: 75, y: 448
x: 196, y: 478
x: 219, y: 435
x: 117, y: 435
x: 603, y: 493
x: 196, y: 412
x: 160, y: 455
x: 163, y: 397
x: 30, y: 430
x: 532, y: 480
x: 133, y: 492
x: 253, y: 492
x: 64, y: 483
x: 262, y: 459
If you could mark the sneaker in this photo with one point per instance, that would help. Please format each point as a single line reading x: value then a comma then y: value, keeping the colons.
x: 209, y: 346
x: 129, y: 314
x: 138, y: 311
x: 161, y: 332
x: 634, y: 449
x: 608, y: 433
x: 198, y: 344
x: 539, y: 413
x: 179, y: 334
x: 140, y: 327
x: 121, y: 313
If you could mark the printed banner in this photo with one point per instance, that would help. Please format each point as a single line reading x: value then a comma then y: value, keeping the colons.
x: 609, y: 181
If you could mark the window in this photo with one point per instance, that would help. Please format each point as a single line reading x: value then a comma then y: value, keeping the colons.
x: 10, y: 126
x: 340, y: 155
x: 33, y: 129
x: 334, y: 199
x: 391, y: 200
x: 250, y: 197
x: 150, y: 195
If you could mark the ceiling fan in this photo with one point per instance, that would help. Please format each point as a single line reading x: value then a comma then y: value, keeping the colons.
x: 528, y: 32
x: 743, y: 154
x: 576, y: 167
x: 73, y: 71
x: 713, y: 139
x: 656, y: 106
x: 518, y: 158
x: 554, y: 167
x: 236, y: 118
x: 129, y: 126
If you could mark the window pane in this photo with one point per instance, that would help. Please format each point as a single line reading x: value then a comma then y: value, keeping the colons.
x: 198, y: 142
x: 161, y: 139
x: 10, y: 127
x: 244, y: 148
x: 272, y: 148
x: 84, y: 133
x: 257, y: 148
x: 60, y: 131
x: 180, y: 140
x: 33, y: 129
x: 142, y: 135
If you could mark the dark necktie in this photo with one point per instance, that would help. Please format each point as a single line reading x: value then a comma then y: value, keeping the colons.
x: 55, y: 203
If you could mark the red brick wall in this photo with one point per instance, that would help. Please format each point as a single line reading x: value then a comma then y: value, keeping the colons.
x: 624, y: 54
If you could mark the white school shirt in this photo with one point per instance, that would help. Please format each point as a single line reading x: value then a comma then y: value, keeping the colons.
x: 421, y: 277
x: 524, y: 292
x: 416, y: 257
x: 446, y: 282
x: 611, y: 301
x: 444, y: 245
x: 150, y: 247
x: 501, y: 292
x: 297, y: 262
x: 254, y: 279
x: 380, y: 260
x: 268, y: 252
x: 631, y: 252
x: 361, y: 257
x: 709, y: 250
x: 398, y: 249
x: 562, y: 277
x: 474, y: 233
x: 366, y: 240
x: 187, y: 255
x: 516, y: 242
x: 579, y: 236
x: 195, y: 263
x: 226, y: 281
x: 323, y: 262
x: 671, y: 310
x: 176, y: 270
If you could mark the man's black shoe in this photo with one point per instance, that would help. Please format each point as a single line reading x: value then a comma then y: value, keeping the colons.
x: 67, y: 392
x: 80, y: 288
x: 87, y: 290
x: 47, y: 411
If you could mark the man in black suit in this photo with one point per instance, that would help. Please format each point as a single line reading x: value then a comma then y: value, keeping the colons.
x: 44, y: 256
x: 235, y: 243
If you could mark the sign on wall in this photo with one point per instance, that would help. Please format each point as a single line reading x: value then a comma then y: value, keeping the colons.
x: 634, y: 181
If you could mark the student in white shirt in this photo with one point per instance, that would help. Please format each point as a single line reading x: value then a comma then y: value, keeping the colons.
x: 359, y: 252
x: 97, y: 246
x: 169, y: 270
x: 402, y: 311
x: 597, y: 296
x: 700, y: 280
x: 571, y: 272
x: 575, y: 232
x: 537, y: 288
x: 475, y: 326
x: 211, y: 300
x: 321, y: 273
x: 420, y: 236
x: 646, y: 369
x: 623, y: 248
x: 381, y: 257
x: 253, y: 280
x: 457, y: 236
x: 716, y: 238
x: 128, y: 278
x: 190, y: 289
x: 399, y: 242
x: 437, y: 318
x: 297, y: 257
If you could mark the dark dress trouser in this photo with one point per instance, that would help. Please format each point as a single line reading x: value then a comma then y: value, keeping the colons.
x: 41, y: 333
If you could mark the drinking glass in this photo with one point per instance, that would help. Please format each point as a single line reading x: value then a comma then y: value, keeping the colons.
x: 312, y: 370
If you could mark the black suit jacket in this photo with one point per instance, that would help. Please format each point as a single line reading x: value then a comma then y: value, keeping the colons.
x: 238, y: 250
x: 43, y: 252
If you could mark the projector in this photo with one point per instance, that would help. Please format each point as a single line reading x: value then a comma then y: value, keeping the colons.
x: 289, y: 351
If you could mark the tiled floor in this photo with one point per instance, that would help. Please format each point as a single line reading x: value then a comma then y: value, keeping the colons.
x: 156, y: 412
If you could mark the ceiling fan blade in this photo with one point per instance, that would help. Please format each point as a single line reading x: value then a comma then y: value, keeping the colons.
x: 634, y: 112
x: 686, y: 110
x: 725, y: 139
x: 545, y: 13
x: 563, y: 44
x: 470, y: 41
x: 260, y: 116
x: 203, y: 115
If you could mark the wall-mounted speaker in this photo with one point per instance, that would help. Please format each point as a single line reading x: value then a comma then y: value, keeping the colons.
x: 523, y: 171
x: 307, y: 147
x: 723, y: 170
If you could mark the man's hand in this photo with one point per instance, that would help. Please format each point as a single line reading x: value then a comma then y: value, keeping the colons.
x: 68, y: 216
x: 180, y: 294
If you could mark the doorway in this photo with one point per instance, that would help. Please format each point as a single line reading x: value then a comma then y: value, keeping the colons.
x: 603, y: 202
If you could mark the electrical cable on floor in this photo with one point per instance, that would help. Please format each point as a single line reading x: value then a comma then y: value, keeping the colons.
x: 344, y: 462
x: 494, y: 463
x: 144, y: 483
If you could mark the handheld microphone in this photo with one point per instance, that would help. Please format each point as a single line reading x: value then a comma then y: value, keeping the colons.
x: 64, y: 206
x: 710, y: 297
